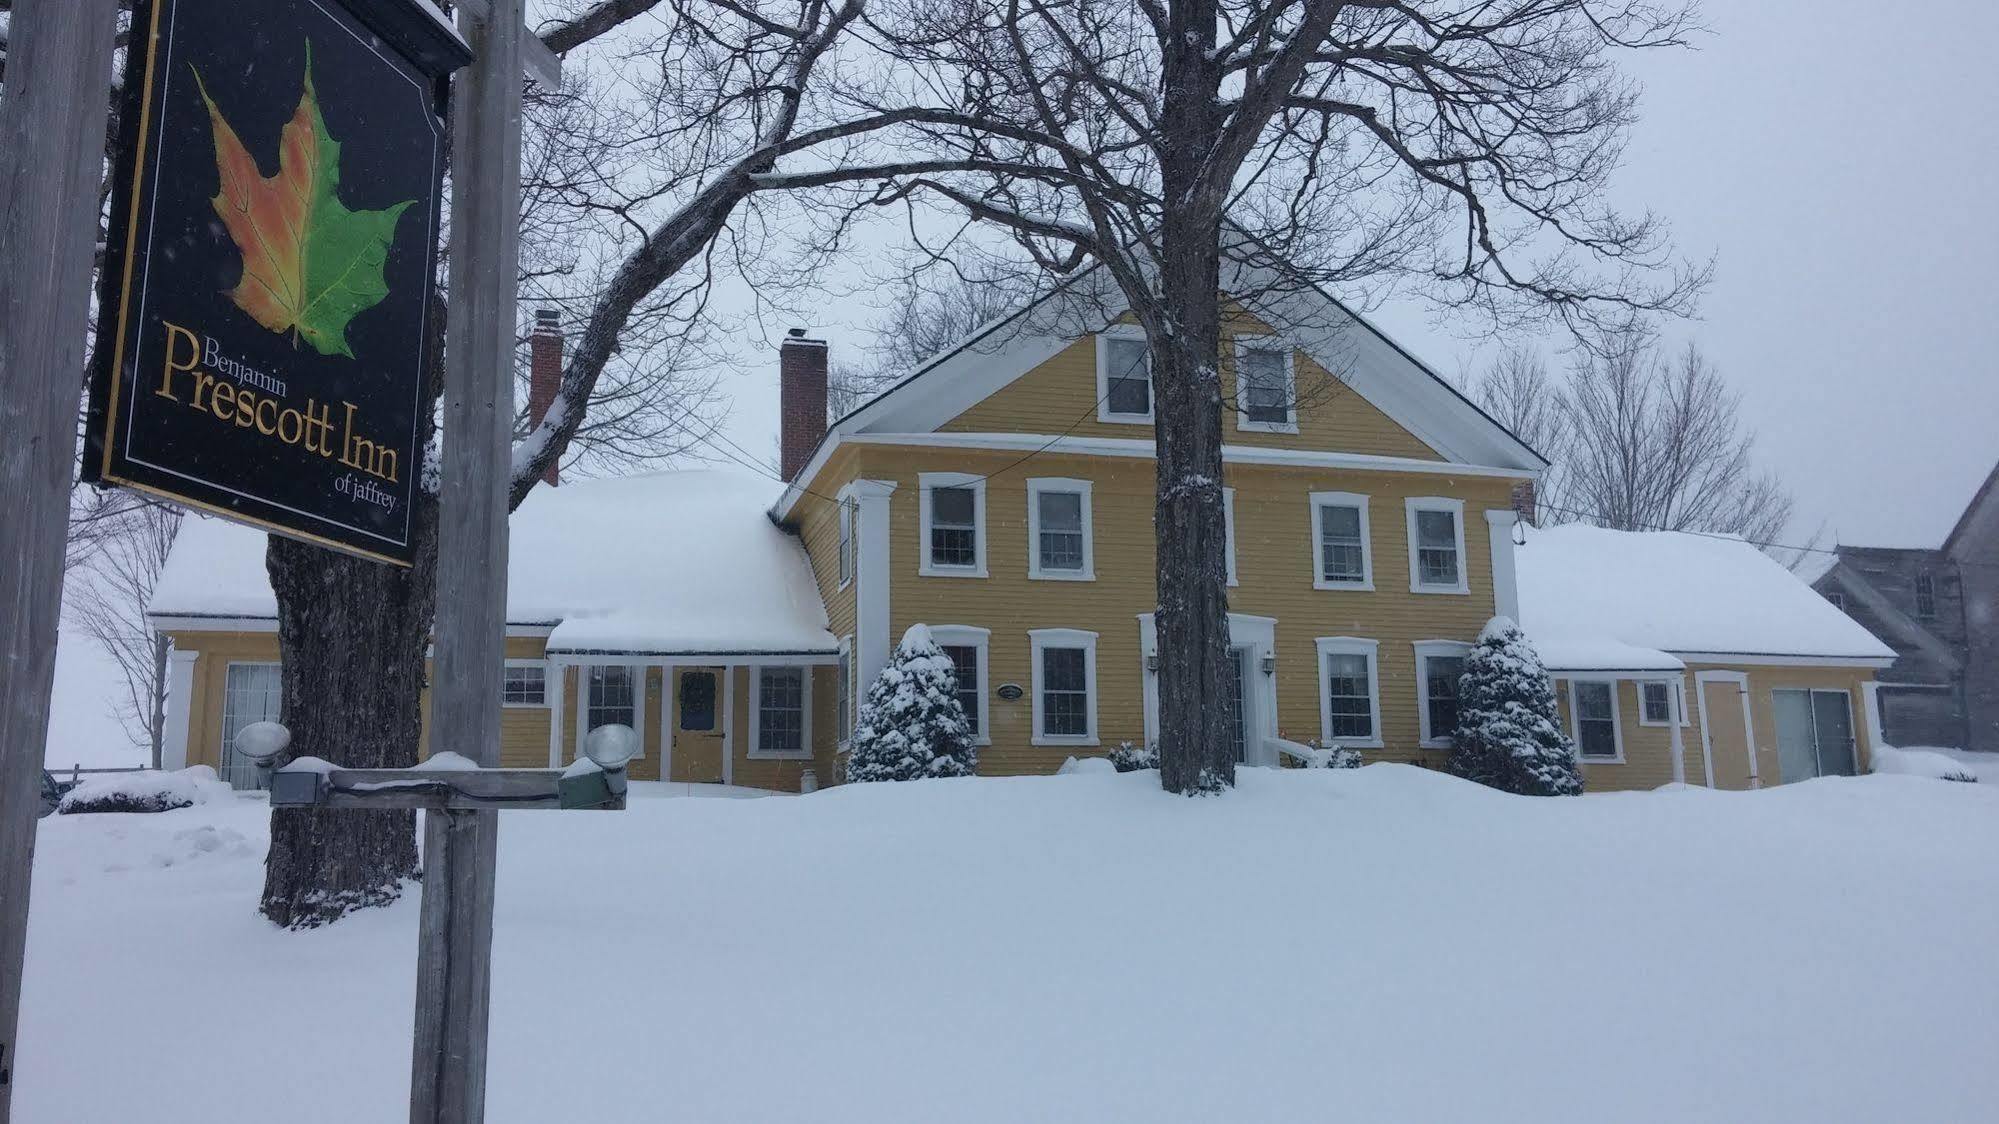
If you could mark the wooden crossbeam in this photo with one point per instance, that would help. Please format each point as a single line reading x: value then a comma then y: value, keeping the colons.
x: 453, y: 790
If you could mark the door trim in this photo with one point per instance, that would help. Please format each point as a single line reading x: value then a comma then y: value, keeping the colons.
x: 1741, y: 681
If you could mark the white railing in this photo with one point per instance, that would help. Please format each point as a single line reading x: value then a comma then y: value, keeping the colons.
x: 1276, y: 746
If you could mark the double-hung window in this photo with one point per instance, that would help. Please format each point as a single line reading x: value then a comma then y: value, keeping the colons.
x: 524, y: 684
x: 1228, y: 530
x: 1340, y: 555
x: 953, y: 525
x: 1437, y: 545
x: 849, y: 516
x: 965, y: 646
x: 1264, y: 387
x: 781, y: 721
x: 1065, y: 686
x: 1926, y: 596
x: 1439, y: 665
x: 1124, y: 377
x: 1593, y: 713
x: 613, y: 699
x: 1058, y: 530
x: 1349, y: 692
x: 846, y: 699
x: 251, y: 692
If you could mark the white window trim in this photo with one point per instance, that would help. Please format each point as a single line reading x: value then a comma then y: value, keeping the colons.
x: 1035, y: 487
x: 1104, y: 414
x: 1457, y: 509
x: 1344, y: 499
x: 1246, y: 344
x: 1426, y: 650
x: 972, y: 636
x: 852, y: 711
x: 932, y: 480
x: 638, y: 672
x: 1679, y: 701
x: 1616, y: 722
x: 848, y: 547
x: 548, y: 672
x: 1350, y: 646
x: 1040, y: 639
x: 1228, y: 529
x: 804, y: 751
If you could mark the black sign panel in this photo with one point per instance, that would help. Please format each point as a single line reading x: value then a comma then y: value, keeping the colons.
x: 263, y: 348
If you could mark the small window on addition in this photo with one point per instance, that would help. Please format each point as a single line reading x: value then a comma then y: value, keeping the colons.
x: 525, y: 685
x: 1656, y: 703
x: 1926, y: 596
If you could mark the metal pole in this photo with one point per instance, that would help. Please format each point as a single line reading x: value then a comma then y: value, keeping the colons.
x: 51, y: 149
x: 448, y: 1064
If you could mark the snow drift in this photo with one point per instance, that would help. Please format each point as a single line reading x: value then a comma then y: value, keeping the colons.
x: 1379, y: 944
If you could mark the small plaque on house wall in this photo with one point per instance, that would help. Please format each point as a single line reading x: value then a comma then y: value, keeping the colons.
x: 1011, y: 692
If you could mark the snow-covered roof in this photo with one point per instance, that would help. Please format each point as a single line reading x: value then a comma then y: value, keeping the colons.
x: 667, y: 563
x: 1598, y: 600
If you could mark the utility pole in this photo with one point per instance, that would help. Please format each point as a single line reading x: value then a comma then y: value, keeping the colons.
x: 454, y: 963
x: 51, y: 153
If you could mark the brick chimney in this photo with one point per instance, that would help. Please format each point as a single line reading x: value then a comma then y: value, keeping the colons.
x: 545, y: 375
x: 801, y: 376
x: 1524, y: 502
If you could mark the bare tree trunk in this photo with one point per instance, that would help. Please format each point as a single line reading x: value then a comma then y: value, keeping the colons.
x: 353, y: 634
x: 352, y: 637
x: 1196, y: 719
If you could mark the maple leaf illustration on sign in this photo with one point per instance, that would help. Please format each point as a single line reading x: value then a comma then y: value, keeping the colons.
x: 310, y: 265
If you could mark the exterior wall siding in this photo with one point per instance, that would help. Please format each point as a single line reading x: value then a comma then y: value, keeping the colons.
x: 1274, y: 571
x: 1648, y: 750
x: 1060, y: 396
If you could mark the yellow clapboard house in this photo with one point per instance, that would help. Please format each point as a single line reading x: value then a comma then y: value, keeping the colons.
x: 1003, y: 496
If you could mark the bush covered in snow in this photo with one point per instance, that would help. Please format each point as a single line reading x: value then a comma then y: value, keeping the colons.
x: 911, y: 724
x: 145, y: 791
x: 1129, y: 758
x: 1509, y: 735
x: 1332, y: 757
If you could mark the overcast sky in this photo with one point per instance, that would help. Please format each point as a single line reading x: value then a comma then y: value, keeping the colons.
x: 1838, y: 162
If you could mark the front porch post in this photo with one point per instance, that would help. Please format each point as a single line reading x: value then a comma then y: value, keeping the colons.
x: 180, y: 709
x: 556, y: 673
x: 1677, y: 718
x: 871, y: 582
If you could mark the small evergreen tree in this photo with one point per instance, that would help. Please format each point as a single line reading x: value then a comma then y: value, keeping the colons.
x: 911, y: 724
x: 1508, y: 735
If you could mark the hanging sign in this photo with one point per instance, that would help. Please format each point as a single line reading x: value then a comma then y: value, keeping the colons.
x: 265, y: 322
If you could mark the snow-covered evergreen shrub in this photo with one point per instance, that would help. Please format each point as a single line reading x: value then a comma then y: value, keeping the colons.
x: 911, y: 724
x: 1509, y: 736
x: 1129, y: 758
x: 146, y: 790
x: 1961, y: 777
x: 1333, y: 757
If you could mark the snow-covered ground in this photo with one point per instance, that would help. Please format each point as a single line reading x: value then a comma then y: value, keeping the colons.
x: 1378, y: 944
x: 1937, y: 761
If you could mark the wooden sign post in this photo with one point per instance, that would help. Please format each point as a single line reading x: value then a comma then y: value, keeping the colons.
x: 286, y: 400
x: 51, y: 145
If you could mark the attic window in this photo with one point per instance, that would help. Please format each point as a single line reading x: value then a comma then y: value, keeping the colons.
x: 1124, y: 378
x: 1926, y: 596
x: 1264, y: 390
